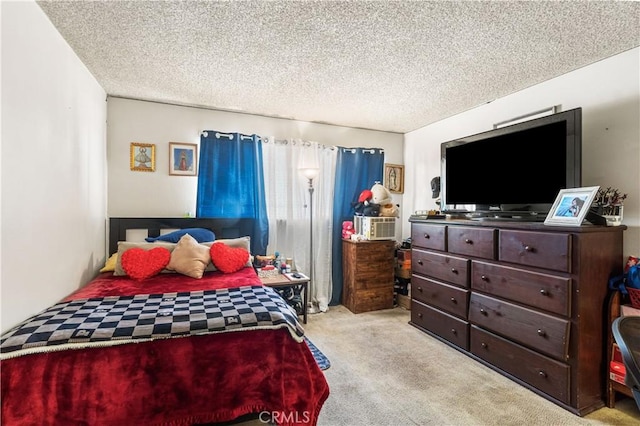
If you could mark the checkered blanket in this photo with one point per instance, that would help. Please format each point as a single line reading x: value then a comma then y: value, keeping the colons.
x: 124, y: 319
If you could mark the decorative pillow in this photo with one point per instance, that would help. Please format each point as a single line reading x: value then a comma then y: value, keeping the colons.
x: 141, y: 264
x: 241, y: 242
x: 201, y: 235
x: 110, y: 264
x: 189, y: 257
x: 126, y: 245
x: 228, y: 259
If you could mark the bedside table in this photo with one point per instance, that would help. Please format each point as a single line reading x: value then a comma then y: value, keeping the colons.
x: 368, y: 276
x: 281, y: 281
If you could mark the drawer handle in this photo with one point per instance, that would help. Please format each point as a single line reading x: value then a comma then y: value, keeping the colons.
x: 453, y: 331
x: 420, y: 289
x: 453, y: 299
x: 541, y: 332
x: 483, y: 312
x: 542, y: 374
x: 419, y: 315
x: 544, y: 292
x: 427, y: 236
x: 468, y: 241
x: 484, y: 278
x: 454, y: 270
x: 529, y: 249
x: 484, y: 345
x: 419, y: 262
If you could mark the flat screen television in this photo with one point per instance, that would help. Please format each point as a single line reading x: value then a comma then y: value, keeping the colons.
x: 514, y: 171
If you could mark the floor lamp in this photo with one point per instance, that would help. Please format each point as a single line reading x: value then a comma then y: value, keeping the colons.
x: 310, y: 173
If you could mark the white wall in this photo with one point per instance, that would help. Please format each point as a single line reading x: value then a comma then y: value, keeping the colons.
x: 609, y: 94
x: 53, y: 166
x: 158, y: 194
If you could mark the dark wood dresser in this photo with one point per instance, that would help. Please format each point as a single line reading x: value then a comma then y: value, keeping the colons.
x: 525, y: 299
x: 367, y: 268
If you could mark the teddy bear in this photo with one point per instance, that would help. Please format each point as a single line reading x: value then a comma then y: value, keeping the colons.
x: 390, y: 210
x: 380, y: 195
x: 347, y: 229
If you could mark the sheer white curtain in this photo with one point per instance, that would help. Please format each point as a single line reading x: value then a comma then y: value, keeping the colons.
x: 287, y: 195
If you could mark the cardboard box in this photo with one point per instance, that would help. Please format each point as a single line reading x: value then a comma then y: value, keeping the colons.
x: 403, y: 273
x: 404, y: 301
x: 404, y: 255
x: 617, y: 372
x: 405, y: 264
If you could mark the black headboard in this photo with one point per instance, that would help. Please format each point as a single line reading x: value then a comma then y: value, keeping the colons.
x: 222, y: 228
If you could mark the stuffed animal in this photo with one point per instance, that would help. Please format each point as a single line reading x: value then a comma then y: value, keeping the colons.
x: 371, y: 210
x: 358, y: 208
x: 365, y: 196
x: 363, y: 201
x: 390, y: 210
x: 347, y: 229
x: 380, y: 194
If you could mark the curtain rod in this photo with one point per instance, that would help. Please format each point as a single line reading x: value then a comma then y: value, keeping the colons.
x: 295, y: 142
x: 368, y: 150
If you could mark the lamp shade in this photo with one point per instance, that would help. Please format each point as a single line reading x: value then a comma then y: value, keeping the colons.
x: 308, y: 164
x: 310, y: 172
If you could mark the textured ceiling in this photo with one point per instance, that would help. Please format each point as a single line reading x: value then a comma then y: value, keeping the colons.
x: 391, y: 66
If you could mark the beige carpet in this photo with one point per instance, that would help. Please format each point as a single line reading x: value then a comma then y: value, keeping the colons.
x: 386, y: 372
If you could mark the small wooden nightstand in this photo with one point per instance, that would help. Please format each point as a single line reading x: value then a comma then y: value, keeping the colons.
x: 367, y: 268
x: 281, y: 280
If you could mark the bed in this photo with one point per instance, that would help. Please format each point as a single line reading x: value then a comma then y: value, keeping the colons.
x: 191, y: 377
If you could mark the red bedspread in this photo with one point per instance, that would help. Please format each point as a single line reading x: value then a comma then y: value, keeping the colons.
x: 179, y: 381
x: 106, y: 284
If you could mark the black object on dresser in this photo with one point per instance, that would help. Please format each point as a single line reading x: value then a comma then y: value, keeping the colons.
x: 523, y: 298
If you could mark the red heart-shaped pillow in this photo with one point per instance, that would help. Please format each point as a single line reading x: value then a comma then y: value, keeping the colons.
x: 141, y: 264
x: 228, y: 259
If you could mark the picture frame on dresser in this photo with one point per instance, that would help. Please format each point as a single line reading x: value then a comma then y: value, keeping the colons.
x: 571, y: 206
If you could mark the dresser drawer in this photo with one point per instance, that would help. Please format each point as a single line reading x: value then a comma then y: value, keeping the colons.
x: 373, y: 281
x: 451, y: 299
x: 367, y: 252
x: 541, y: 249
x: 549, y: 292
x: 444, y: 325
x: 369, y: 300
x: 544, y: 333
x: 428, y: 236
x: 479, y: 242
x: 452, y: 269
x: 541, y: 372
x: 368, y: 264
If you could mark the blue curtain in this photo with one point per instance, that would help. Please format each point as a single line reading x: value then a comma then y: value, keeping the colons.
x: 368, y: 165
x: 231, y: 182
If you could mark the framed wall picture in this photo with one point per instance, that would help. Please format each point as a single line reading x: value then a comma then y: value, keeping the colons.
x: 394, y: 178
x: 571, y: 206
x: 183, y: 159
x: 142, y: 157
